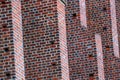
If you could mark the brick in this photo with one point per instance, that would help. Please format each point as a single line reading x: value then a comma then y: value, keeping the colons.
x: 59, y: 39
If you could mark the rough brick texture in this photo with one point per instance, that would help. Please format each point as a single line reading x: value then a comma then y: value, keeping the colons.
x: 18, y: 39
x: 101, y: 15
x: 45, y: 45
x: 11, y: 41
x: 59, y: 40
x: 117, y: 3
x: 81, y: 44
x: 63, y: 40
x: 88, y: 59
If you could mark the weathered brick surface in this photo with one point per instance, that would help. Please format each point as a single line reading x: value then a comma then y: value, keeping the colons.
x: 11, y: 49
x: 6, y: 41
x: 84, y: 61
x: 63, y: 40
x: 101, y: 14
x: 81, y: 47
x: 59, y: 39
x: 18, y: 39
x: 117, y: 3
x: 45, y: 48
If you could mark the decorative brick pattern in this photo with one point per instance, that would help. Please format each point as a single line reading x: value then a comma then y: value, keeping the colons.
x: 81, y: 47
x: 59, y: 40
x: 100, y: 15
x: 11, y: 50
x: 81, y: 40
x: 45, y: 48
x: 7, y: 68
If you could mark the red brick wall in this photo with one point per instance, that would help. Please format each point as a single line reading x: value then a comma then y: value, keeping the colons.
x: 6, y: 41
x: 81, y: 43
x: 43, y: 46
x: 118, y: 18
x: 82, y: 46
x: 63, y: 40
x: 18, y: 39
x: 100, y: 63
x: 11, y: 50
x: 81, y: 40
x: 101, y: 17
x: 114, y: 28
x: 83, y: 17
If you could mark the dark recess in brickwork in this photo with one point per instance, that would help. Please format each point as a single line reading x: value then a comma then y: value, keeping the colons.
x: 53, y: 64
x: 104, y: 29
x: 6, y: 49
x: 104, y: 9
x: 107, y: 47
x: 52, y: 42
x: 91, y: 75
x: 74, y: 15
x: 2, y: 1
x: 8, y: 74
x: 4, y: 26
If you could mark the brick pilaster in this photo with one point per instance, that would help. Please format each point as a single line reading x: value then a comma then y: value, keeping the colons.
x: 11, y: 50
x: 44, y: 47
x: 18, y: 40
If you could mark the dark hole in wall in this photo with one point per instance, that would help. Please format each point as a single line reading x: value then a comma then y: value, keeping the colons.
x: 104, y: 29
x: 3, y: 2
x: 107, y: 47
x: 4, y: 26
x: 74, y: 14
x: 52, y: 42
x: 14, y: 77
x: 53, y: 64
x: 8, y: 74
x: 91, y: 75
x: 104, y: 9
x: 6, y: 49
x: 90, y: 55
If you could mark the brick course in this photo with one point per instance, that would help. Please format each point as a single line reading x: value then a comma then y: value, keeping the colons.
x: 59, y: 40
x: 82, y: 47
x: 45, y: 48
x: 11, y: 48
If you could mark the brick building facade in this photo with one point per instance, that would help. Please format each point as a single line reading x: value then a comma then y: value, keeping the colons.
x: 59, y: 40
x: 93, y: 39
